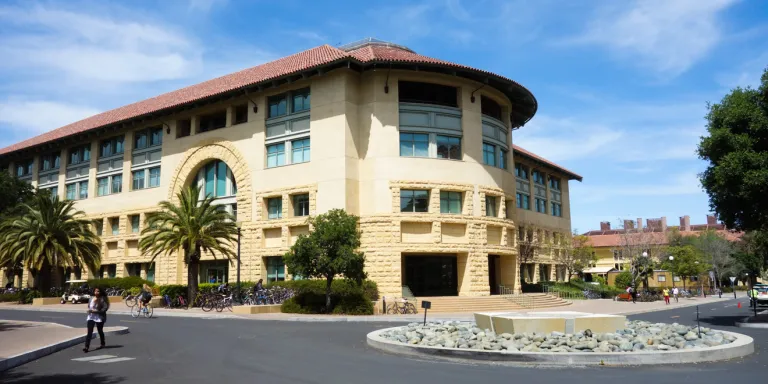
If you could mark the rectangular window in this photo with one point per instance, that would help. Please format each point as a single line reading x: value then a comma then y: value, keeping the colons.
x: 554, y: 183
x: 662, y: 278
x: 241, y: 114
x: 557, y: 210
x: 99, y: 225
x: 275, y: 208
x: 490, y: 108
x: 275, y: 269
x: 54, y: 191
x: 427, y: 93
x: 140, y: 140
x: 212, y: 121
x: 523, y: 201
x: 301, y: 205
x: 503, y: 159
x: 114, y: 223
x: 275, y: 155
x: 138, y: 180
x: 521, y: 171
x: 676, y: 278
x: 490, y: 206
x: 135, y: 223
x: 414, y: 144
x: 72, y: 191
x: 489, y: 154
x: 300, y: 100
x: 102, y: 187
x: 49, y: 162
x: 154, y: 177
x: 414, y: 200
x: 24, y: 168
x: 221, y: 179
x: 117, y: 183
x: 183, y: 128
x: 541, y: 205
x: 83, y: 189
x: 450, y: 202
x: 210, y: 180
x: 538, y: 177
x: 111, y: 147
x: 448, y: 147
x: 277, y: 105
x: 80, y: 154
x: 155, y: 136
x: 300, y: 149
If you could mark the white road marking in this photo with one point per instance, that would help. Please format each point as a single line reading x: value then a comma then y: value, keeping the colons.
x: 115, y: 360
x: 92, y: 358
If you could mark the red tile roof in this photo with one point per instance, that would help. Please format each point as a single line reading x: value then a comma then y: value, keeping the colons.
x: 613, y: 238
x: 524, y: 152
x: 290, y: 65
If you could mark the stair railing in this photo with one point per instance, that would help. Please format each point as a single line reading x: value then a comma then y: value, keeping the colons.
x: 517, y: 298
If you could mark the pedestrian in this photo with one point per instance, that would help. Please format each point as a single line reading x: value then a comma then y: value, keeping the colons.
x: 665, y: 292
x: 676, y: 293
x: 97, y: 316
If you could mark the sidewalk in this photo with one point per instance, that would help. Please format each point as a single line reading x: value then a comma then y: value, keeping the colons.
x: 24, y: 341
x: 590, y: 306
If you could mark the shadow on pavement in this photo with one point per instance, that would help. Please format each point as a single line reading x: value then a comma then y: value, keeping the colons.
x: 725, y: 321
x: 4, y: 326
x: 110, y: 347
x: 29, y: 378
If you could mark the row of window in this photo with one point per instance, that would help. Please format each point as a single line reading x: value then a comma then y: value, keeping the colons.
x: 448, y: 147
x: 114, y: 225
x: 300, y: 206
x: 523, y: 198
x: 521, y: 172
x: 526, y: 234
x: 299, y: 150
x: 107, y: 185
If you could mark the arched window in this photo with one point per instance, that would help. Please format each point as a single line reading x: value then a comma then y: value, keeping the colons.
x: 215, y: 179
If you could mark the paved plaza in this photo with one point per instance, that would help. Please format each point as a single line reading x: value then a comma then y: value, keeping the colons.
x: 185, y: 349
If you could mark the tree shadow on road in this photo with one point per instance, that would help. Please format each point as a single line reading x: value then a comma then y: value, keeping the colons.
x: 723, y: 321
x: 30, y: 378
x: 10, y: 326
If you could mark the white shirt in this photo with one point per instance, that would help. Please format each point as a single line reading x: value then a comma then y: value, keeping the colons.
x: 675, y: 291
x: 93, y: 316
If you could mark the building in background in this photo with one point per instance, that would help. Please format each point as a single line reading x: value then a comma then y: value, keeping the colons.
x: 421, y: 149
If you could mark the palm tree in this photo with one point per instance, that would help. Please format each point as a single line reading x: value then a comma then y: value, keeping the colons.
x: 49, y: 233
x: 193, y: 226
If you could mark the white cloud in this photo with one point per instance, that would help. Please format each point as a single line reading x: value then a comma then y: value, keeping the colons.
x: 40, y: 116
x: 85, y: 47
x: 665, y: 36
x: 679, y: 184
x: 747, y: 74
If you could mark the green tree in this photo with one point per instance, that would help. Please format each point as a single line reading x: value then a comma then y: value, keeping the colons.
x: 49, y: 233
x: 623, y: 280
x: 329, y: 250
x: 687, y: 261
x: 575, y: 254
x: 751, y: 255
x: 193, y: 226
x: 13, y: 194
x: 736, y: 148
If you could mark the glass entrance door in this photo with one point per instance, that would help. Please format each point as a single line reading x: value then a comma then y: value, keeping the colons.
x: 431, y: 275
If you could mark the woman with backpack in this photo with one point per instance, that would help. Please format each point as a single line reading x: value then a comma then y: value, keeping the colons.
x: 97, y: 316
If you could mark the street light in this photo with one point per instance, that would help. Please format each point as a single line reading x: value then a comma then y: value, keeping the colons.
x: 672, y: 259
x: 239, y: 224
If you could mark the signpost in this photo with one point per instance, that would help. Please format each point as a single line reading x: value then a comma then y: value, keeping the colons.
x: 733, y: 280
x: 426, y: 305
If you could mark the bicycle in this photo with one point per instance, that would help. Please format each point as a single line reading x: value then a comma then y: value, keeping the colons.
x: 224, y: 302
x: 401, y: 308
x: 131, y: 300
x: 145, y: 310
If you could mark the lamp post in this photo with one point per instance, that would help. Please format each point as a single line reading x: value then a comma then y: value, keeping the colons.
x: 238, y: 264
x: 671, y: 260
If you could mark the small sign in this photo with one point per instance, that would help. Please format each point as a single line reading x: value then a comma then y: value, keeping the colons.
x: 733, y: 279
x: 426, y: 304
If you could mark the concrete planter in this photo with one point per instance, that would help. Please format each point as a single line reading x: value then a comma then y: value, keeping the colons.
x: 46, y: 301
x: 256, y: 309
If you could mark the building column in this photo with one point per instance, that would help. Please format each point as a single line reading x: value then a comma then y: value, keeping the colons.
x: 3, y: 277
x: 143, y: 273
x: 535, y: 277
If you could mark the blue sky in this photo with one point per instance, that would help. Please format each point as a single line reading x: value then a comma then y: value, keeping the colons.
x: 622, y: 85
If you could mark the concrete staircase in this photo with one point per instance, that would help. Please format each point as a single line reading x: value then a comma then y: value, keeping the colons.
x: 443, y: 304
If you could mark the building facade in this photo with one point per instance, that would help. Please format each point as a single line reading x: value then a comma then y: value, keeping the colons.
x: 421, y: 149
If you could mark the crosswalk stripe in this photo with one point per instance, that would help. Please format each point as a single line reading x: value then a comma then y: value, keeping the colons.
x: 92, y: 358
x: 115, y: 360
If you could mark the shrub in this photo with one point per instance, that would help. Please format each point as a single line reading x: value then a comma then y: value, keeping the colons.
x: 173, y: 290
x: 532, y: 288
x: 346, y: 297
x: 10, y: 297
x: 600, y: 280
x: 291, y: 306
x: 576, y: 280
x: 356, y: 304
x: 119, y: 282
x: 623, y: 280
x: 134, y: 291
x: 26, y: 296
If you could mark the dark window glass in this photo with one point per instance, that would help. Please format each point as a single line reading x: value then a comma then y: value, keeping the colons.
x: 278, y: 105
x: 241, y: 114
x: 427, y: 93
x: 213, y: 121
x: 156, y: 136
x: 301, y: 205
x: 448, y: 147
x: 450, y: 202
x: 521, y: 171
x: 414, y: 200
x: 490, y: 108
x: 140, y: 141
x: 300, y: 100
x: 489, y: 154
x: 183, y: 128
x: 538, y: 177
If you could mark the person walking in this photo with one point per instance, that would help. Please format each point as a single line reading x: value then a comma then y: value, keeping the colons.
x: 665, y: 292
x: 675, y: 293
x: 752, y: 297
x: 97, y: 316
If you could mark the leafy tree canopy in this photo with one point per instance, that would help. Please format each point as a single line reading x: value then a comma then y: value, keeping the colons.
x: 736, y: 148
x: 13, y: 194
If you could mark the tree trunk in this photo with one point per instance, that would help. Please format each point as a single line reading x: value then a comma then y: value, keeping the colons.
x: 328, y: 282
x: 193, y: 268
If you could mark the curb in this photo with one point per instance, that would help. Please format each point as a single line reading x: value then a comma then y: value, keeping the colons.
x: 666, y: 308
x: 120, y: 312
x: 23, y: 358
x: 746, y: 324
x: 742, y: 346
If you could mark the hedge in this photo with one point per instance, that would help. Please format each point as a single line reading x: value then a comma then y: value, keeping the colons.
x: 119, y: 282
x: 10, y: 297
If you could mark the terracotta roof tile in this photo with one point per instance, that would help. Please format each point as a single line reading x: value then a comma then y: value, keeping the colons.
x: 534, y: 156
x: 293, y: 64
x: 614, y: 239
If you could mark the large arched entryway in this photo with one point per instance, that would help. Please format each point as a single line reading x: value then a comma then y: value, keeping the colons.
x: 215, y: 179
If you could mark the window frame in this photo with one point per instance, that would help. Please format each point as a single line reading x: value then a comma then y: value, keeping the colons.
x: 148, y: 133
x: 276, y: 155
x: 493, y: 206
x: 212, y: 117
x: 540, y: 204
x: 135, y: 226
x: 413, y: 197
x: 289, y: 98
x: 451, y: 146
x: 239, y: 111
x: 449, y: 197
x: 80, y: 151
x: 427, y: 88
x: 278, y: 205
x: 298, y: 206
x: 305, y: 150
x: 112, y: 146
x: 413, y: 142
x: 523, y: 201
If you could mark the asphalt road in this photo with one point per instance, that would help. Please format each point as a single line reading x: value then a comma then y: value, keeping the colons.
x: 192, y: 350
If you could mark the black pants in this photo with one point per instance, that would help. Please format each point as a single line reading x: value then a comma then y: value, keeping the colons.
x: 99, y: 328
x: 634, y: 296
